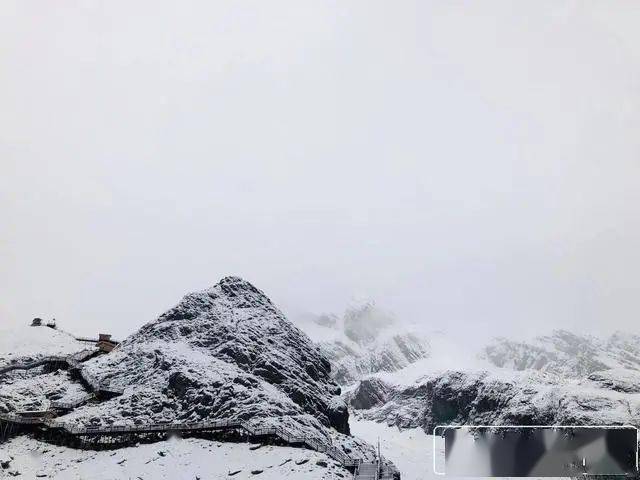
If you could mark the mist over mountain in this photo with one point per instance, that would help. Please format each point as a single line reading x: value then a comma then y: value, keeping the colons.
x: 566, y: 353
x: 366, y: 339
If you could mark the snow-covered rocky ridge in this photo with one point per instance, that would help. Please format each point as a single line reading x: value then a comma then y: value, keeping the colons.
x: 226, y: 352
x: 561, y: 378
x: 365, y: 340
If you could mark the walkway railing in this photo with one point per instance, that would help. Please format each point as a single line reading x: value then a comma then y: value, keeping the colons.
x: 95, y: 340
x: 255, y: 431
x: 71, y: 360
x: 367, y: 471
x: 21, y: 420
x: 34, y: 364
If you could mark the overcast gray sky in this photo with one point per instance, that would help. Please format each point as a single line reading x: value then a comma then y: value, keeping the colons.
x: 471, y: 165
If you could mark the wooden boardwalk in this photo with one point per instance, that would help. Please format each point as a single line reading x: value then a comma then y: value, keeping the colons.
x: 367, y: 471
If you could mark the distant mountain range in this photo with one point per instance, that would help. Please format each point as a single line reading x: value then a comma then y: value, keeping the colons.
x: 229, y: 353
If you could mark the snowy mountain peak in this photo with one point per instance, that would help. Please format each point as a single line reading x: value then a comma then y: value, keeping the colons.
x: 238, y: 288
x: 224, y: 352
x: 224, y: 300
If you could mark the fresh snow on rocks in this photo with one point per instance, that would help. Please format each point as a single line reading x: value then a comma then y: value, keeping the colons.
x: 34, y: 390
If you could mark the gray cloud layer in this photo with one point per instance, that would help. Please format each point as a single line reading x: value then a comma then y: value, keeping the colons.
x: 467, y: 163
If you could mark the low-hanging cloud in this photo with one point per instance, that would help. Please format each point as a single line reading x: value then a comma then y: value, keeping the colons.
x: 470, y: 165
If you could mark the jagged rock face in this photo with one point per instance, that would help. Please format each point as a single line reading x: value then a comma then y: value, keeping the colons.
x: 483, y: 398
x: 370, y: 392
x: 566, y: 354
x: 226, y: 352
x: 366, y: 340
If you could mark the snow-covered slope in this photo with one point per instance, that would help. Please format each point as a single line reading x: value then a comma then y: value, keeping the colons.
x: 28, y: 343
x: 366, y: 340
x: 186, y: 459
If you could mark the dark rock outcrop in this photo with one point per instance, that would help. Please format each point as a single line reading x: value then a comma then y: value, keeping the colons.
x: 370, y: 392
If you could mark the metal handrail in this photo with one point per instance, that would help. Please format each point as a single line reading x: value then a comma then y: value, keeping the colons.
x: 96, y: 340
